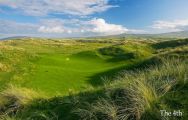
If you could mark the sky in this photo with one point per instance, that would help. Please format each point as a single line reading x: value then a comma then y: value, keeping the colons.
x: 83, y: 18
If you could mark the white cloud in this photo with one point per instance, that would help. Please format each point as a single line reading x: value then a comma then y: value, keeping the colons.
x: 56, y: 29
x: 95, y: 26
x: 45, y: 7
x: 69, y: 31
x: 101, y: 26
x: 56, y: 26
x: 12, y: 27
x: 169, y: 26
x: 64, y: 28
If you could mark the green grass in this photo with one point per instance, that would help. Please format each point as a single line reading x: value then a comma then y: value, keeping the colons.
x: 60, y: 73
x: 92, y: 79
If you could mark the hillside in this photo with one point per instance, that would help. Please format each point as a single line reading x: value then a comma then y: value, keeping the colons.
x: 181, y: 34
x: 104, y: 78
x: 168, y: 35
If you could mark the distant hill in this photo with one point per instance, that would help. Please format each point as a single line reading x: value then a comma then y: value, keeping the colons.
x: 14, y: 37
x: 182, y: 34
x: 176, y: 34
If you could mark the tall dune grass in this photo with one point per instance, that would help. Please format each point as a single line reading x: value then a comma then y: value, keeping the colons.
x: 140, y: 94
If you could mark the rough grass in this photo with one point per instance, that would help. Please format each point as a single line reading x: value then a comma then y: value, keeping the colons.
x: 140, y: 93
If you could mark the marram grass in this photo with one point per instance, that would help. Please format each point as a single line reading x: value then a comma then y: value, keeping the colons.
x: 143, y: 90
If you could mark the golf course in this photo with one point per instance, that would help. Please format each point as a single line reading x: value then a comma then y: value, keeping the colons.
x: 93, y: 60
x: 63, y: 79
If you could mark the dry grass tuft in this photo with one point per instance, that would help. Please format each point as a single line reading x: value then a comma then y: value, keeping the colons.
x: 14, y: 97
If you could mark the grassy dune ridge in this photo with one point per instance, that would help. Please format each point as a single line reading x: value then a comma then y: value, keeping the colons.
x: 98, y: 79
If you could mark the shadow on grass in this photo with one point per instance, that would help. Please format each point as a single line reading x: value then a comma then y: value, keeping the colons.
x: 85, y: 55
x: 116, y: 53
x: 170, y: 44
x: 99, y: 78
x: 123, y: 57
x: 60, y: 108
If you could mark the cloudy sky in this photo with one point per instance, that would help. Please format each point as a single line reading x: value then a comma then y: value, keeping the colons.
x: 78, y: 18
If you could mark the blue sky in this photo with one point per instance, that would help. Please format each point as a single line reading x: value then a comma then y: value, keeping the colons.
x: 77, y: 18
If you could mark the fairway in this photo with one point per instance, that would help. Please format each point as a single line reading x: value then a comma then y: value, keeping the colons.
x: 60, y: 74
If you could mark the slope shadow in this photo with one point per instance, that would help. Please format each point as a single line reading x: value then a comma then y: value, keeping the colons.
x: 116, y: 53
x: 170, y: 44
x: 85, y: 54
x: 97, y: 79
x: 61, y: 108
x: 124, y: 57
